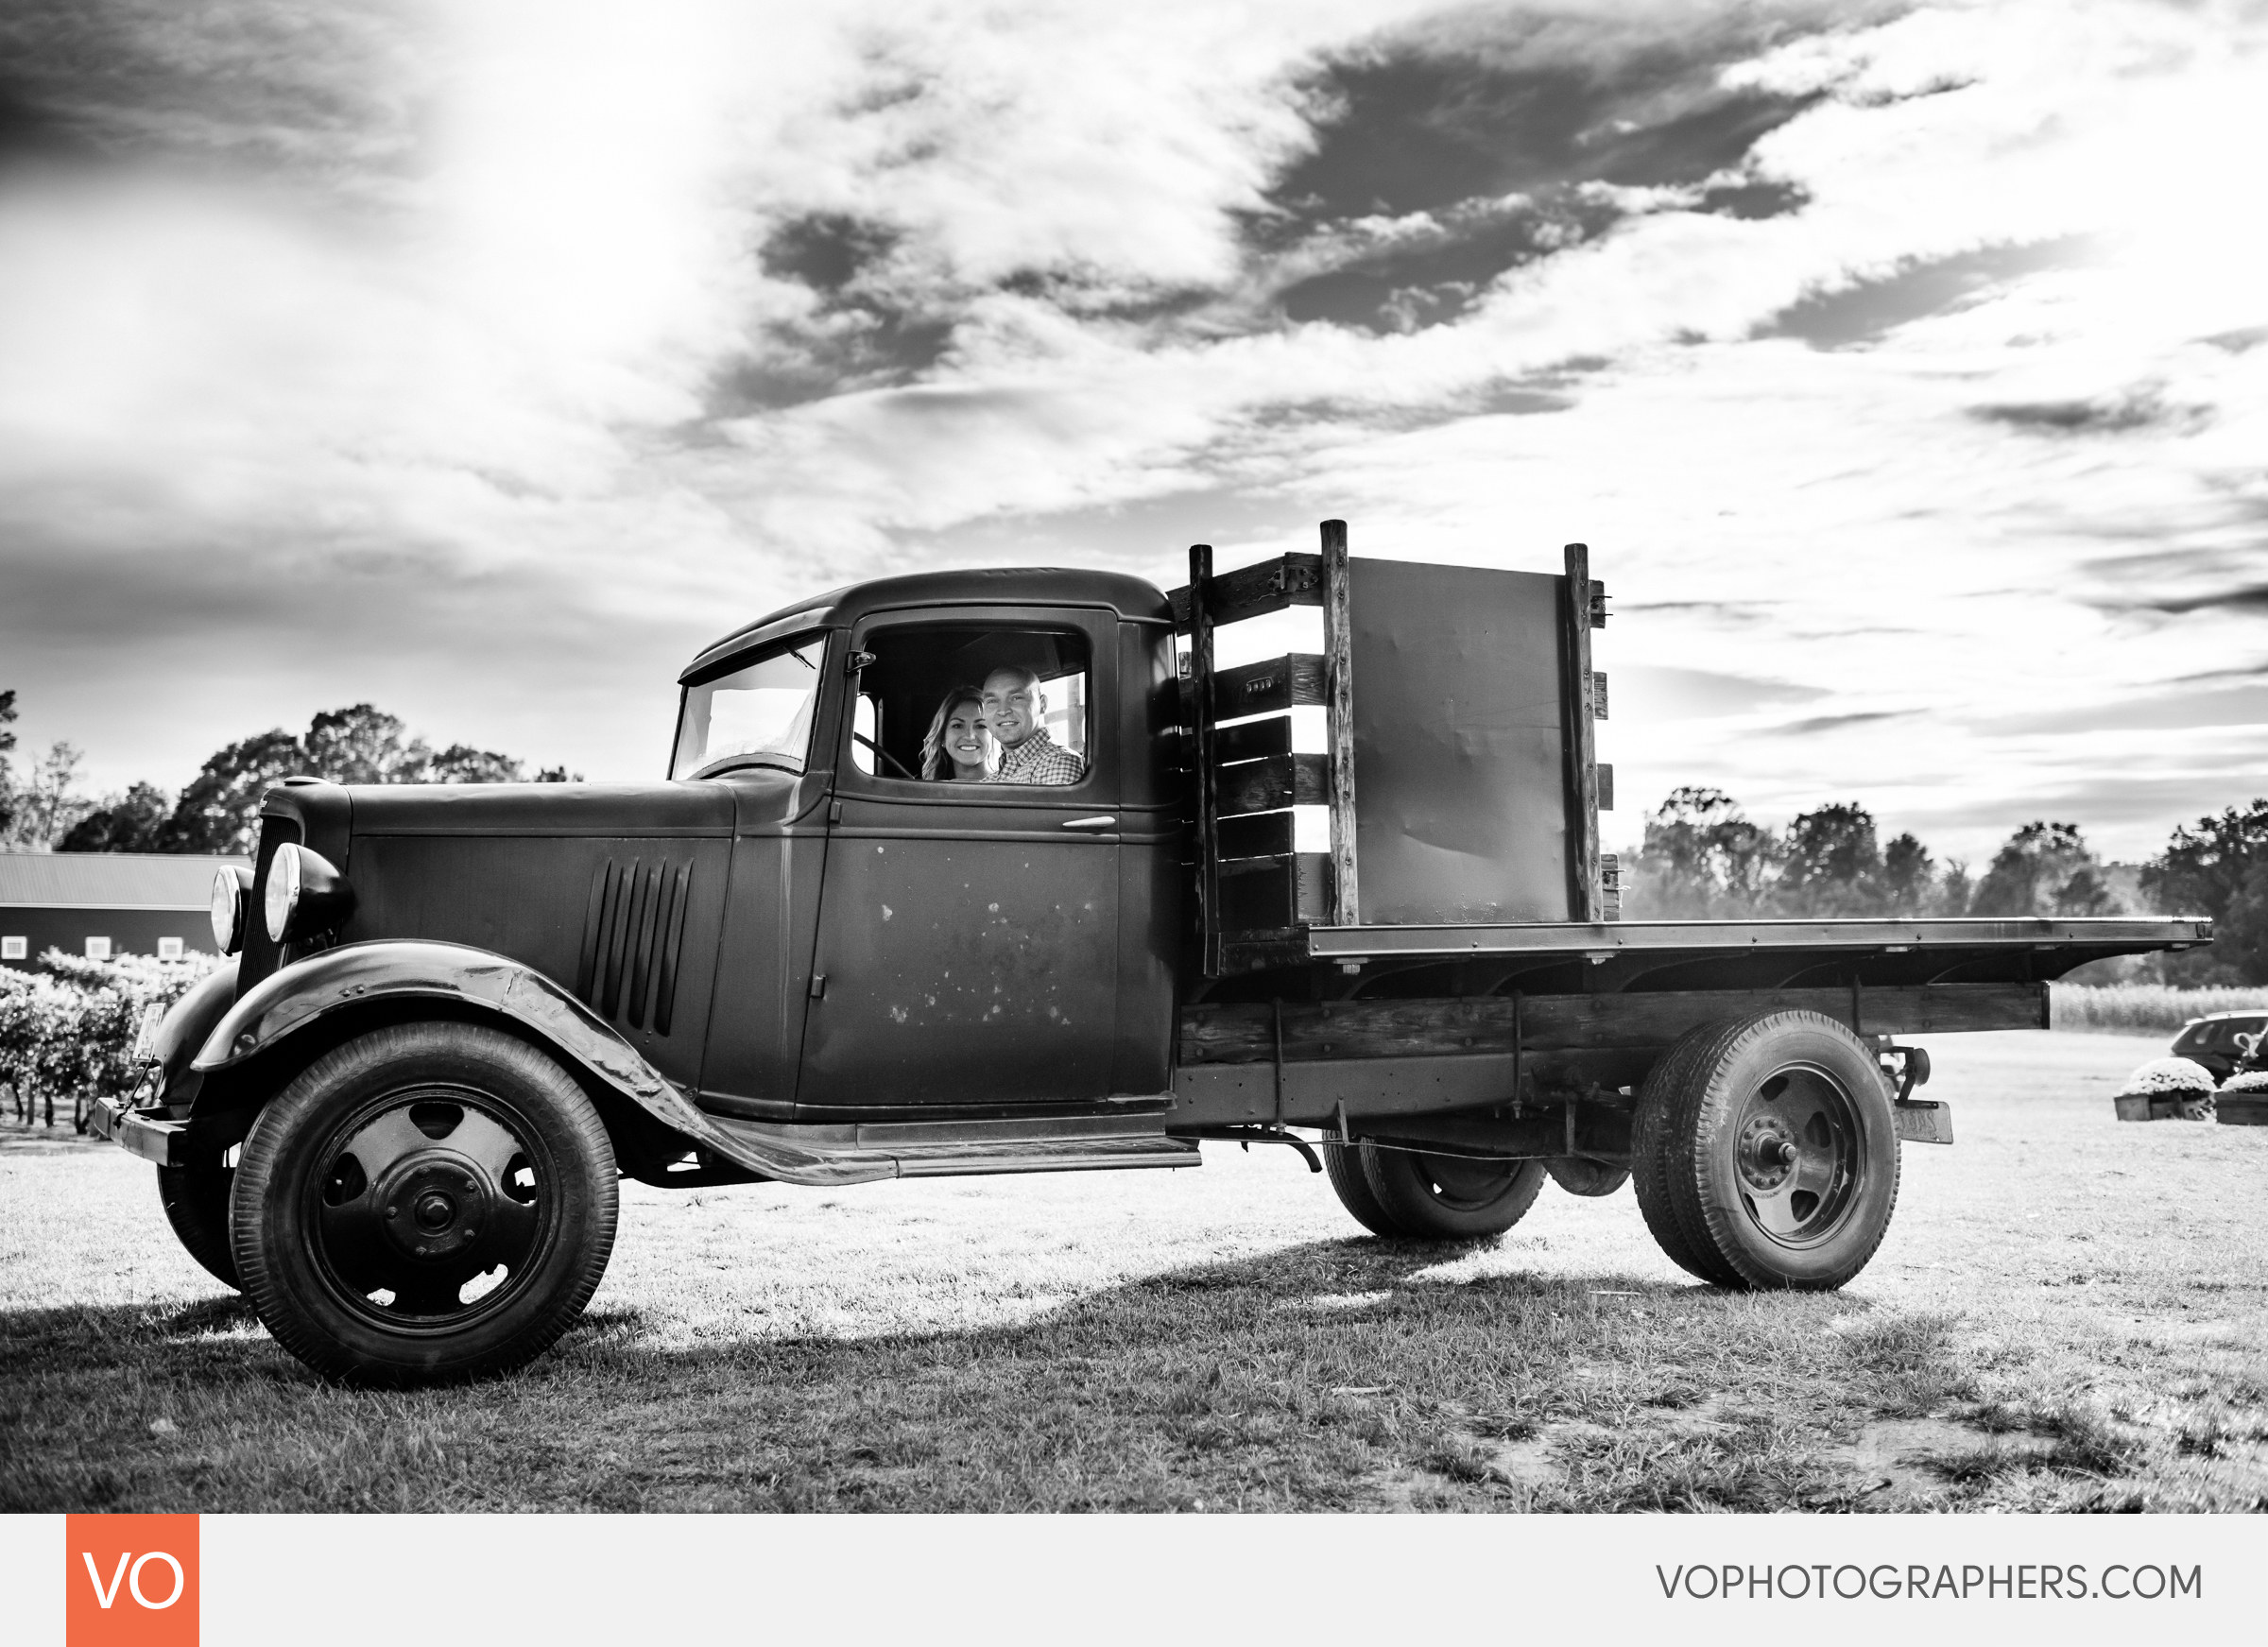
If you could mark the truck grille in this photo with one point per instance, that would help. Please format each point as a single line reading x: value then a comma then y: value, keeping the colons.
x: 634, y: 929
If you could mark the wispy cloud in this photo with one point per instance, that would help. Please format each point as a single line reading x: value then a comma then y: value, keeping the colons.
x: 1849, y: 338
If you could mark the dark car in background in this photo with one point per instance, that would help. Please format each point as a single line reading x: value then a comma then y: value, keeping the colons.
x: 2212, y: 1040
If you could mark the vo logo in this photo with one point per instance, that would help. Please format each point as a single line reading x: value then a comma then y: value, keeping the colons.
x: 131, y: 1580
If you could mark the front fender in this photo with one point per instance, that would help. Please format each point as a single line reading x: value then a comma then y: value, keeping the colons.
x: 288, y: 1002
x: 185, y: 1028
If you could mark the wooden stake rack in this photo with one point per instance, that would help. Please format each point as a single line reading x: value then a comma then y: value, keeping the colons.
x: 1258, y: 899
x: 1257, y: 896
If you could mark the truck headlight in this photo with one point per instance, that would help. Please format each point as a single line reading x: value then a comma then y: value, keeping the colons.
x: 306, y: 894
x: 231, y: 903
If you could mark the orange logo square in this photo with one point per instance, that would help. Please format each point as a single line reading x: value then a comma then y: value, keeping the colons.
x: 129, y: 1581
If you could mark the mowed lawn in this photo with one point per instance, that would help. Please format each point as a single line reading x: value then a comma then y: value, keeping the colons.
x: 2068, y: 1314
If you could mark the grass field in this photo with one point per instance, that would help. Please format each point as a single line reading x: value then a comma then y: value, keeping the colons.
x: 2068, y: 1314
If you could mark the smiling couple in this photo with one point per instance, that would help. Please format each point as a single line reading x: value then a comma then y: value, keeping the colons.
x: 1004, y: 712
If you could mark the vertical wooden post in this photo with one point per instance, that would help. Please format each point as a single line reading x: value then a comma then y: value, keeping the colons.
x: 1586, y: 900
x: 1210, y: 956
x: 1338, y: 699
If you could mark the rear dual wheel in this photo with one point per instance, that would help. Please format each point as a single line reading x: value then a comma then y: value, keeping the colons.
x: 1399, y: 1192
x: 1767, y: 1152
x: 430, y: 1201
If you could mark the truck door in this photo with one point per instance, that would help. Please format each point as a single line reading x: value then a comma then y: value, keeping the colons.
x: 969, y: 927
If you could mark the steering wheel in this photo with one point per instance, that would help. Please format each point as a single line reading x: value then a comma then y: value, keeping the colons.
x: 883, y: 754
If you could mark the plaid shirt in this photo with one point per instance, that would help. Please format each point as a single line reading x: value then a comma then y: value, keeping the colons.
x: 1039, y: 759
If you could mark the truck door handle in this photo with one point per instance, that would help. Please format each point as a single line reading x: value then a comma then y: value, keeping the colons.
x: 1105, y: 822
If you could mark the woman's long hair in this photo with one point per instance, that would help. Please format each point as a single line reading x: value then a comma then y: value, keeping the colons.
x: 935, y: 764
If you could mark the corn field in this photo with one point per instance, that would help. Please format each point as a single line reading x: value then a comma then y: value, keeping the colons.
x: 2142, y: 1008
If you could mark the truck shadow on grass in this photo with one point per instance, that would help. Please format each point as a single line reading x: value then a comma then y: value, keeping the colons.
x: 1335, y: 1375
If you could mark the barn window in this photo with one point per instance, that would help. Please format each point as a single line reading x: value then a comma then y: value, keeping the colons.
x: 99, y: 949
x: 169, y: 949
x: 14, y: 949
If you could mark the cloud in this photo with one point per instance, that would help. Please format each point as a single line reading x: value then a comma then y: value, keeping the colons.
x: 2237, y: 706
x: 2245, y: 597
x: 1848, y: 338
x: 2118, y: 414
x: 1867, y: 310
x: 1656, y: 694
x: 1836, y: 723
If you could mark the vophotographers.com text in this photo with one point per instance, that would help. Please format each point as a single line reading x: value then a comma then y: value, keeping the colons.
x: 1886, y: 1580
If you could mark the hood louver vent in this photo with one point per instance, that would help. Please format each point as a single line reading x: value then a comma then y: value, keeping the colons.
x: 632, y: 931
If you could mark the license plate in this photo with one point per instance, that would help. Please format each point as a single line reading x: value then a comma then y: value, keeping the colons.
x: 145, y: 1038
x: 1923, y: 1121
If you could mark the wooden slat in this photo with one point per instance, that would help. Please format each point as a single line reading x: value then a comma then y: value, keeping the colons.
x: 1279, y: 780
x: 1442, y: 1026
x: 1209, y: 817
x: 1338, y: 704
x: 1586, y: 902
x: 1251, y: 592
x: 1602, y: 785
x: 1252, y: 739
x: 1598, y: 693
x: 1265, y: 834
x: 1253, y: 689
x: 1273, y: 894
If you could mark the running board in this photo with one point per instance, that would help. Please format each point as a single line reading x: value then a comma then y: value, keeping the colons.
x: 947, y: 1149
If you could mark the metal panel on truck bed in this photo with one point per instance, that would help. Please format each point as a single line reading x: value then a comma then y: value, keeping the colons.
x: 1460, y: 744
x: 1630, y: 937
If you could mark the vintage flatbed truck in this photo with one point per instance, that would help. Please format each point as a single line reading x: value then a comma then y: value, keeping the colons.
x: 455, y: 1015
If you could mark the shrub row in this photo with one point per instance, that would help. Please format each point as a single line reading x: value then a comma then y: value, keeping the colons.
x: 67, y: 1035
x: 2144, y: 1008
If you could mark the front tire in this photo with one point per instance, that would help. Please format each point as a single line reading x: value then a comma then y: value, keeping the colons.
x: 1450, y: 1197
x: 195, y: 1199
x: 428, y: 1202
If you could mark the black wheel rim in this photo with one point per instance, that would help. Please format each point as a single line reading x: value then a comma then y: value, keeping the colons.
x: 1466, y: 1186
x: 431, y: 1208
x: 1796, y: 1142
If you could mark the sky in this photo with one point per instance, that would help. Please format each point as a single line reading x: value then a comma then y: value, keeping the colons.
x: 1904, y: 367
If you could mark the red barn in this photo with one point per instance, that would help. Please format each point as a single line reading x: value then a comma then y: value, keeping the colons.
x: 104, y: 904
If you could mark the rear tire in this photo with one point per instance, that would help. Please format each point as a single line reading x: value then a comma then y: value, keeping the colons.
x: 1582, y: 1175
x: 428, y: 1202
x: 1791, y: 1151
x: 1657, y: 1155
x: 1343, y: 1164
x: 196, y: 1205
x: 1451, y: 1197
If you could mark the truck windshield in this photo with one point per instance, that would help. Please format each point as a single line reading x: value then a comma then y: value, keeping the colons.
x: 758, y: 715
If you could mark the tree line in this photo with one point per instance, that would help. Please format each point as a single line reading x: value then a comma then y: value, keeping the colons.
x: 1704, y: 858
x: 219, y: 809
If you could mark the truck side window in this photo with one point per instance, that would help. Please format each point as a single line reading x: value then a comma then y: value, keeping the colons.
x: 922, y: 703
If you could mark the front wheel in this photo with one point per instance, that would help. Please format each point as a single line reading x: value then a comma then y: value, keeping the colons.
x: 1438, y: 1197
x: 430, y: 1201
x: 195, y: 1199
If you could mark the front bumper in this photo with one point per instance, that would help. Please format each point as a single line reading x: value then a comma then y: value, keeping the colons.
x: 150, y: 1137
